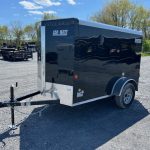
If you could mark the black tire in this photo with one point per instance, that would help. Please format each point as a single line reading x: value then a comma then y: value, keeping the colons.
x: 127, y: 96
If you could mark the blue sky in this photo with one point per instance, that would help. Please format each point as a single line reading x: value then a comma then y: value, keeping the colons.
x: 29, y: 11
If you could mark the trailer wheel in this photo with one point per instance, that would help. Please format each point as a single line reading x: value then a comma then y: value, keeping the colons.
x: 127, y: 96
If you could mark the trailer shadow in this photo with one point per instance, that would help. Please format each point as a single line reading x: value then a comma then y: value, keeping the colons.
x: 84, y: 127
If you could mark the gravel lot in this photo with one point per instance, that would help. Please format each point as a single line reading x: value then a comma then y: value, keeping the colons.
x: 99, y: 125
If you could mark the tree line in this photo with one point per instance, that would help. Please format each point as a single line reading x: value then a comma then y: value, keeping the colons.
x: 16, y: 34
x: 126, y: 14
x: 123, y: 13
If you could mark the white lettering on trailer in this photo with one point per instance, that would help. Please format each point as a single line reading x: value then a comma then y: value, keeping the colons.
x: 138, y: 41
x: 80, y: 93
x: 60, y: 32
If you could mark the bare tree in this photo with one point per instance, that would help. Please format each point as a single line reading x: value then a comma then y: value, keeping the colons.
x: 30, y: 32
x: 48, y: 16
x: 18, y: 32
x: 10, y: 37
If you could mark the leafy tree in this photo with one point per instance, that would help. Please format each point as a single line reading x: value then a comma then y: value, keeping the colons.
x: 140, y: 19
x: 115, y: 13
x: 143, y: 20
x: 3, y: 34
x: 124, y: 13
x: 146, y: 46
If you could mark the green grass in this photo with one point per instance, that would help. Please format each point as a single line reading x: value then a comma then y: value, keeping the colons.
x: 145, y: 54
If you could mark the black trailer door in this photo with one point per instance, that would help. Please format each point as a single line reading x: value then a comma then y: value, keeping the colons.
x: 60, y: 53
x: 65, y: 57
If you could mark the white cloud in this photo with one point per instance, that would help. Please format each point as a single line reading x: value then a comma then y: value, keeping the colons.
x: 36, y: 12
x: 30, y: 5
x: 47, y: 3
x: 71, y: 2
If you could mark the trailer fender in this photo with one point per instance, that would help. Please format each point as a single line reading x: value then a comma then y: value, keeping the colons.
x: 120, y: 83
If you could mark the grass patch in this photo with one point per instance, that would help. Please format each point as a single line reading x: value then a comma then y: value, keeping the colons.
x: 145, y: 54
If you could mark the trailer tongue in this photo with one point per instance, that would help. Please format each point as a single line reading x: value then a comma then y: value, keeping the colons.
x: 12, y: 103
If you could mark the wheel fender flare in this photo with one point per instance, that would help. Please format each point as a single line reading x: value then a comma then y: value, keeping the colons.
x: 120, y: 83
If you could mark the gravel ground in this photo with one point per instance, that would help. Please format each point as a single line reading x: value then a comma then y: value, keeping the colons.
x: 99, y: 125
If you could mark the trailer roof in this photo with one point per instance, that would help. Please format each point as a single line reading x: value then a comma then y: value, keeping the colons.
x: 109, y: 27
x: 98, y: 25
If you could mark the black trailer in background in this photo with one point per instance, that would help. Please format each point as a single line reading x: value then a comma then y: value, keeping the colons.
x: 83, y: 61
x: 12, y: 53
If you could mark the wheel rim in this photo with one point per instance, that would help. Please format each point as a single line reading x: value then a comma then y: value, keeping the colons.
x: 128, y: 95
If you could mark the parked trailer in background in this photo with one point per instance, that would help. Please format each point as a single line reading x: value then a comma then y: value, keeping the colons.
x: 12, y: 54
x: 31, y: 46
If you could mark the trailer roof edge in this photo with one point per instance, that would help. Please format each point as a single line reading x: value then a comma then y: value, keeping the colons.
x: 101, y: 26
x: 109, y: 27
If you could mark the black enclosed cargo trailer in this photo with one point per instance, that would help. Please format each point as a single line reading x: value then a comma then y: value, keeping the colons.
x: 81, y: 62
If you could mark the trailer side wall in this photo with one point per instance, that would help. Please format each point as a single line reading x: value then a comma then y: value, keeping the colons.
x: 101, y: 58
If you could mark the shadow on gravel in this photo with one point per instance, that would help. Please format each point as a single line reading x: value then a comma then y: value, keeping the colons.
x: 84, y: 127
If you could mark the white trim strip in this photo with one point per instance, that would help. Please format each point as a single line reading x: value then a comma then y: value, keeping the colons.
x: 92, y: 100
x: 125, y: 84
x: 109, y: 27
x: 43, y: 57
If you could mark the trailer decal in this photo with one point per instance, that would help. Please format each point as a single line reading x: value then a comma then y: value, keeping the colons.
x: 60, y: 32
x: 80, y: 93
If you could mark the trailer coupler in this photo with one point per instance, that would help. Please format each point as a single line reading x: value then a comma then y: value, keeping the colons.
x: 12, y: 103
